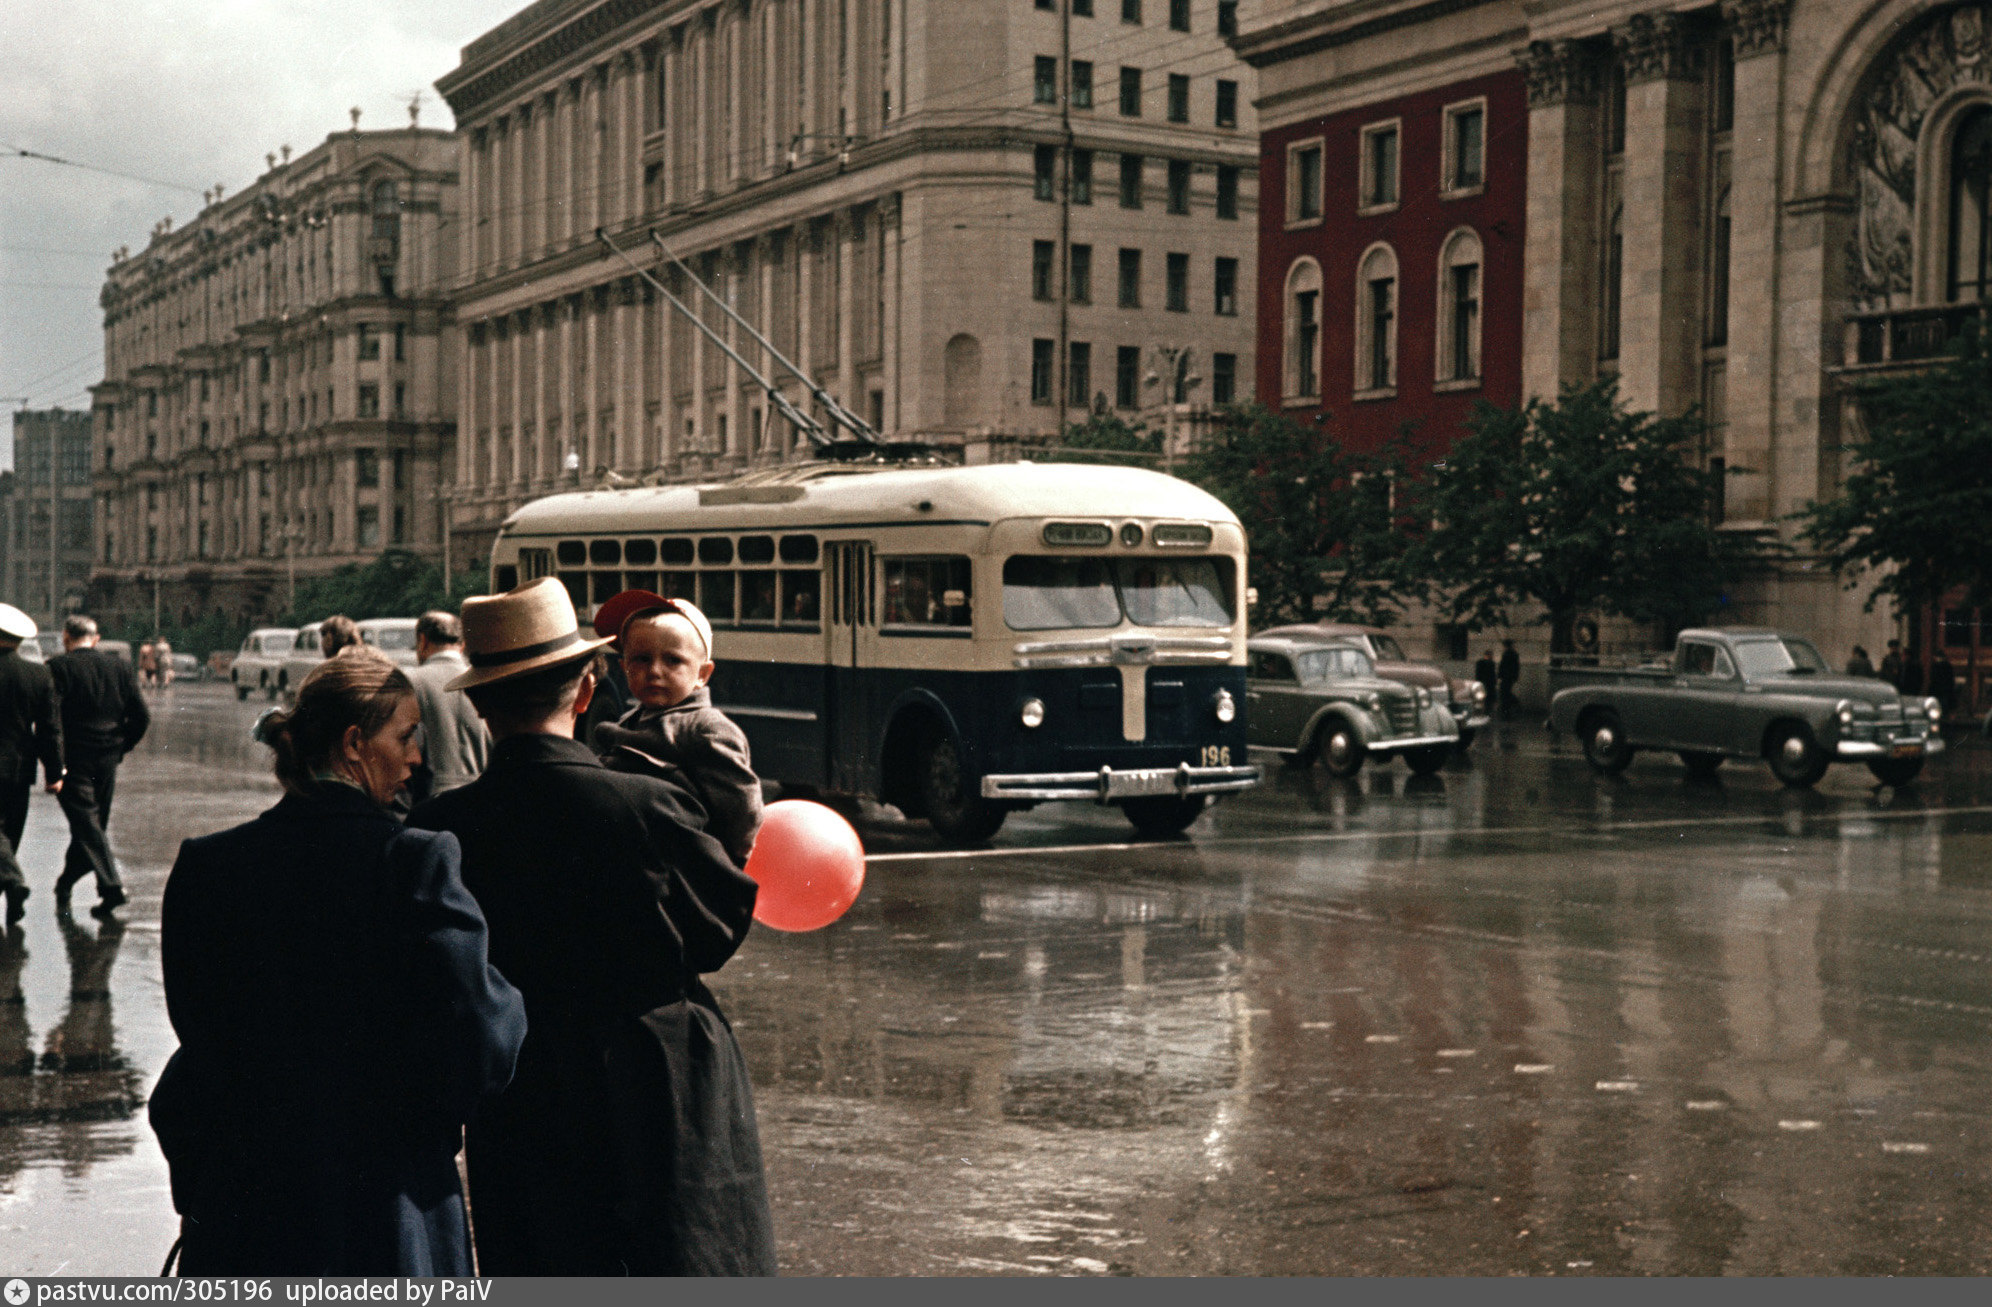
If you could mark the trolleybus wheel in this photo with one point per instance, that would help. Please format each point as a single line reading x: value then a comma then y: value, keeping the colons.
x: 241, y: 692
x: 956, y: 815
x: 1161, y: 816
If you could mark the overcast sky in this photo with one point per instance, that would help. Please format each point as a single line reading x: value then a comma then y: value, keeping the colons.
x: 184, y: 93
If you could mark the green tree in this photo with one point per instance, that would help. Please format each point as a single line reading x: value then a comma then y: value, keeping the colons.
x: 1577, y: 505
x: 399, y: 583
x: 1328, y: 530
x: 1114, y: 439
x: 1914, y: 508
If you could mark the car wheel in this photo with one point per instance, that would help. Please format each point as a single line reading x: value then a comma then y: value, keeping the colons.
x: 1701, y: 765
x: 956, y: 815
x: 1796, y: 758
x: 1896, y: 771
x: 1426, y: 762
x: 1605, y: 746
x: 270, y: 690
x: 1163, y: 816
x: 1341, y: 749
x: 241, y: 692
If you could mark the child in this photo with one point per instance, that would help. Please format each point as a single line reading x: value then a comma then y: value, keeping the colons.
x: 674, y: 731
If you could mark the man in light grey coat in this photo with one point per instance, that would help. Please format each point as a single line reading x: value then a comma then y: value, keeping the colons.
x: 455, y: 745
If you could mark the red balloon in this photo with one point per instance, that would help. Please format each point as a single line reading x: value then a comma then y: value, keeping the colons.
x: 809, y: 864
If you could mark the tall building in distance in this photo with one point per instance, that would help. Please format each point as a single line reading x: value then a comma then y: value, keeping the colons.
x: 279, y: 391
x: 45, y: 514
x: 965, y: 219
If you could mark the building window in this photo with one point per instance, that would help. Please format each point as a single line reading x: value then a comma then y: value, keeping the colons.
x: 1043, y: 360
x: 1043, y: 257
x: 1464, y: 162
x: 1227, y: 190
x: 1179, y: 15
x: 1130, y: 92
x: 1082, y: 84
x: 1225, y: 283
x: 1379, y: 166
x: 1045, y: 160
x: 1050, y: 6
x: 1130, y: 11
x: 1130, y: 279
x: 1227, y: 17
x: 1176, y: 285
x: 367, y: 468
x: 1376, y: 322
x: 1227, y: 103
x: 400, y: 399
x: 1458, y: 347
x: 1079, y: 375
x: 386, y: 212
x: 1303, y: 182
x: 369, y: 400
x: 369, y: 343
x: 1079, y: 283
x: 1130, y: 181
x: 1301, y: 373
x: 1179, y: 98
x: 366, y: 522
x: 152, y: 403
x: 400, y: 342
x: 1082, y: 176
x: 1223, y: 378
x: 1127, y: 377
x: 1970, y: 271
x: 1044, y: 85
x: 1082, y: 8
x: 1179, y: 185
x: 1614, y: 270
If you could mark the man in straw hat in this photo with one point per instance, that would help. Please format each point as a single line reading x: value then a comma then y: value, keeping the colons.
x: 30, y: 732
x: 626, y: 1144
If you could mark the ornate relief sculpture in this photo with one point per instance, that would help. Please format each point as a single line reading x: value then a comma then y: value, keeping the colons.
x: 1558, y: 72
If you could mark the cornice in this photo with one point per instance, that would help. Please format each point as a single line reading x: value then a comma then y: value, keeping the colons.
x: 1337, y: 25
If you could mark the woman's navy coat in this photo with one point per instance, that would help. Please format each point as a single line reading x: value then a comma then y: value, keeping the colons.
x: 339, y: 1021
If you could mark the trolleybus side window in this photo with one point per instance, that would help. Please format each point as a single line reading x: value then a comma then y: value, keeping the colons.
x: 927, y: 592
x: 641, y: 559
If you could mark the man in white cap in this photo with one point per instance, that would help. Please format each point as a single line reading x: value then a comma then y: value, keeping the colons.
x: 30, y: 732
x: 626, y: 1144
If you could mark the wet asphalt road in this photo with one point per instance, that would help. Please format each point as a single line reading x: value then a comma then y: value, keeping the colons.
x: 1514, y: 1020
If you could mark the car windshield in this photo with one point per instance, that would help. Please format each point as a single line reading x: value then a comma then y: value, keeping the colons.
x: 1387, y: 648
x: 278, y: 644
x: 1043, y: 593
x: 391, y: 637
x: 1778, y: 657
x: 1332, y: 664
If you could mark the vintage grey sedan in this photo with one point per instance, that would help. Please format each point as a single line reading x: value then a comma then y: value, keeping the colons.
x: 1309, y: 699
x: 1747, y: 692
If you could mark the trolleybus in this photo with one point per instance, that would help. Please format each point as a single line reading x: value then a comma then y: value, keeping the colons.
x: 959, y: 642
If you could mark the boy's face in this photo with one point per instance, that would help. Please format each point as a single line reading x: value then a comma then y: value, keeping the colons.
x: 663, y: 659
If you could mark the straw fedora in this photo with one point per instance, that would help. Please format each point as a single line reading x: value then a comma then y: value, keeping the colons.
x: 520, y: 631
x: 15, y: 624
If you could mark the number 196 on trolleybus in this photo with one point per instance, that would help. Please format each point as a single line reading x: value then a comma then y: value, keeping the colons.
x: 959, y: 642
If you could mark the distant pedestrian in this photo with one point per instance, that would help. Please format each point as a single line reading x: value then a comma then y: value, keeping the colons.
x: 1858, y: 665
x: 1943, y: 680
x: 1486, y: 672
x: 148, y: 664
x: 162, y: 662
x: 1511, y: 672
x: 1891, y: 664
x: 103, y: 718
x: 1912, y: 675
x: 337, y: 632
x: 455, y: 745
x: 339, y: 1018
x: 30, y: 732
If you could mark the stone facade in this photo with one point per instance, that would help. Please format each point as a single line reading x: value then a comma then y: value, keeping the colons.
x: 1741, y: 206
x: 921, y: 203
x: 279, y: 390
x: 30, y: 533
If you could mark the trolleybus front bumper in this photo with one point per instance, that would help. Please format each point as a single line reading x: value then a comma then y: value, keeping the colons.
x: 1107, y: 785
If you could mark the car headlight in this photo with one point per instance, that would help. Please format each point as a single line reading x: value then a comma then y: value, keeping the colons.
x: 1845, y: 712
x: 1032, y: 713
x: 1224, y: 706
x: 1933, y: 710
x: 1479, y: 693
x: 1374, y: 703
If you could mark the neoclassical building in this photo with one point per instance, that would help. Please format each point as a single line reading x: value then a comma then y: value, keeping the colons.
x: 963, y: 218
x: 1745, y: 206
x: 279, y: 391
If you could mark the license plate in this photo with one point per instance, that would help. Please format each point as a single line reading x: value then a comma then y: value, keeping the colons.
x: 1908, y: 750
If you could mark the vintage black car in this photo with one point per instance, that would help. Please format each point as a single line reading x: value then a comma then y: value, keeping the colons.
x: 1312, y: 698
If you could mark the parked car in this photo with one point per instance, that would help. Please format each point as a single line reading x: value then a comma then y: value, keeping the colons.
x: 115, y: 649
x: 1465, y: 698
x: 186, y: 667
x: 393, y: 636
x: 218, y: 663
x: 47, y: 643
x: 1748, y: 692
x: 305, y: 654
x: 258, y: 660
x: 1311, y: 698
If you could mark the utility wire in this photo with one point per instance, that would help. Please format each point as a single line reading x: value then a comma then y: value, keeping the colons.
x: 15, y: 151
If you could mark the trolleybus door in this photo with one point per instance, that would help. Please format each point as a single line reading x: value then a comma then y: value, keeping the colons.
x: 851, y: 725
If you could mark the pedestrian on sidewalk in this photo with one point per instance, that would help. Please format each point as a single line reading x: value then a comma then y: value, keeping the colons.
x: 30, y: 732
x: 103, y: 718
x: 1488, y: 674
x: 1859, y: 664
x: 1511, y: 671
x: 338, y: 1014
x: 455, y: 745
x: 627, y: 1145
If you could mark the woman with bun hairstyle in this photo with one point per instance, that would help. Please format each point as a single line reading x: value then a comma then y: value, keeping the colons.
x: 339, y: 1019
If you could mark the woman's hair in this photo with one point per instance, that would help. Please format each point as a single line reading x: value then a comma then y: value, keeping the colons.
x: 361, y: 689
x: 337, y: 632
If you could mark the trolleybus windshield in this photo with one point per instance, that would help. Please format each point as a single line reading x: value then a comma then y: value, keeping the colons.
x: 1049, y: 593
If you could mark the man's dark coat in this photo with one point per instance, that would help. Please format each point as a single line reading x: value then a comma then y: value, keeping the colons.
x: 30, y: 722
x: 339, y: 1020
x: 626, y: 1143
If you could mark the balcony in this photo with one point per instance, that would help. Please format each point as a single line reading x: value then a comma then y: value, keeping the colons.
x: 1903, y: 338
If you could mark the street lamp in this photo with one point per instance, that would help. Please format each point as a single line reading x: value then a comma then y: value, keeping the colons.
x: 1172, y: 372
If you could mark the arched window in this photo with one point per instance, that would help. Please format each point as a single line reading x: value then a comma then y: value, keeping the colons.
x: 1376, y: 321
x: 386, y: 211
x: 1971, y: 207
x: 1303, y: 331
x: 1457, y: 349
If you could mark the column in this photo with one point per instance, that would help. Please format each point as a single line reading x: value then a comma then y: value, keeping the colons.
x: 806, y: 254
x: 735, y: 143
x: 764, y: 269
x: 629, y: 376
x: 542, y: 319
x: 502, y: 186
x: 768, y: 153
x: 587, y: 436
x: 515, y: 454
x: 1560, y: 256
x: 847, y: 361
x: 735, y: 263
x: 473, y: 203
x: 811, y: 67
x: 572, y: 168
x: 487, y: 471
x: 570, y: 399
x: 847, y: 89
x: 888, y: 220
x: 670, y: 64
x: 1661, y: 325
x: 1755, y: 491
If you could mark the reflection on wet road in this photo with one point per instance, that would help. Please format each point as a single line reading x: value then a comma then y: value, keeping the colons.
x: 1516, y: 1019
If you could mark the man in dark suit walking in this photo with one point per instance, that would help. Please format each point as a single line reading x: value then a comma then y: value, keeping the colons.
x: 627, y: 1143
x: 30, y: 732
x: 103, y: 718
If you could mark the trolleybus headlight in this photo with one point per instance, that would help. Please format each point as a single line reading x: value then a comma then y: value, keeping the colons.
x: 1032, y: 713
x: 1934, y: 710
x: 1225, y: 707
x: 1845, y: 712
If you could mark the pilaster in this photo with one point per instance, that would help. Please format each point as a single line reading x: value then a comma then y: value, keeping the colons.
x: 1560, y: 255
